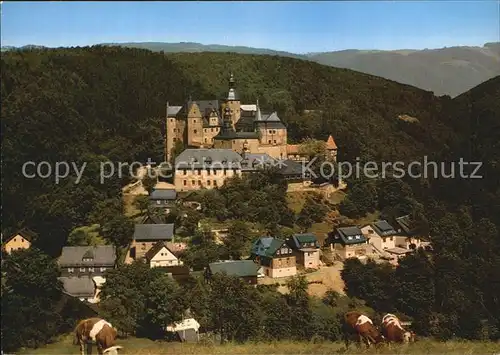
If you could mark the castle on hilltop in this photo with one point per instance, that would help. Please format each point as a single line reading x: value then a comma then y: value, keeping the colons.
x: 226, y: 124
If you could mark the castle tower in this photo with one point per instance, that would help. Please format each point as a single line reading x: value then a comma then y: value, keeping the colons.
x: 233, y: 101
x: 194, y: 124
x: 331, y: 148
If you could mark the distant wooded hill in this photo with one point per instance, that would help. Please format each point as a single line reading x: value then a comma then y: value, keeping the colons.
x: 445, y: 71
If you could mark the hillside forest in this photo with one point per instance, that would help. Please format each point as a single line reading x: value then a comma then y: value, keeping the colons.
x: 95, y: 104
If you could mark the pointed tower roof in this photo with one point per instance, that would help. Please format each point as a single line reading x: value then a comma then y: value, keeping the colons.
x: 330, y: 143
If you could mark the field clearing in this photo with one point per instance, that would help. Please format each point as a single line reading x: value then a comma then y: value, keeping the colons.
x: 140, y: 346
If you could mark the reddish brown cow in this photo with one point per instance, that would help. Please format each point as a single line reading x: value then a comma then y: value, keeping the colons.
x: 99, y: 331
x: 357, y: 324
x: 393, y: 331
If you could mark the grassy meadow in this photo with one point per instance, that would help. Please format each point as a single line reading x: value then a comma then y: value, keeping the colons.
x: 140, y: 346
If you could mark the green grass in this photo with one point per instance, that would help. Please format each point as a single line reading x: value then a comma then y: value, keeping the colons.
x: 137, y: 346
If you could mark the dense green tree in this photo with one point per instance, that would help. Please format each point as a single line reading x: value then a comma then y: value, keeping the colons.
x: 119, y: 230
x: 239, y: 239
x: 298, y: 301
x: 141, y: 202
x: 234, y: 308
x: 313, y: 211
x: 164, y: 304
x: 149, y: 180
x: 31, y: 296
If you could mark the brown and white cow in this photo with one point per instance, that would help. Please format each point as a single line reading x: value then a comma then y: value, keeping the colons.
x: 358, y: 324
x: 99, y: 331
x: 393, y: 331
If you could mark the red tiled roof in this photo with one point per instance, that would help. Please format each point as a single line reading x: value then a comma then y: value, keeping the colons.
x: 330, y: 143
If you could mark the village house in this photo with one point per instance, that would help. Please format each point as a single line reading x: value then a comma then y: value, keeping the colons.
x: 294, y: 173
x: 145, y: 237
x: 81, y: 287
x: 275, y: 256
x: 83, y: 269
x: 19, y: 240
x: 410, y: 234
x: 87, y: 261
x: 389, y: 243
x: 348, y: 242
x: 306, y: 250
x: 380, y: 234
x: 163, y: 196
x: 246, y: 270
x: 205, y: 168
x: 160, y: 255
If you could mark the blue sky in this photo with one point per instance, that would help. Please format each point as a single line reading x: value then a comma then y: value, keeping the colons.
x: 298, y: 27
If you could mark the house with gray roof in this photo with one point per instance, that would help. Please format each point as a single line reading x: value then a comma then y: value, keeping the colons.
x: 163, y: 198
x: 81, y: 287
x: 145, y: 237
x: 275, y: 257
x: 205, y: 168
x: 247, y: 270
x: 306, y: 249
x: 348, y: 242
x: 381, y: 235
x: 87, y: 260
x: 153, y: 232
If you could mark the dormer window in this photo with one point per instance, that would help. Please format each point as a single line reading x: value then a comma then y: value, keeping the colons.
x: 88, y: 256
x: 349, y: 238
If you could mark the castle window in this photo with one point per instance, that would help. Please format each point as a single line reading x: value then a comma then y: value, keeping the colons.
x: 185, y: 182
x: 172, y: 120
x: 185, y: 172
x: 199, y: 182
x: 211, y: 129
x: 208, y: 182
x: 70, y: 270
x: 194, y: 121
x: 275, y: 141
x: 195, y: 131
x: 234, y: 142
x: 193, y: 182
x: 174, y: 139
x: 224, y: 171
x: 205, y: 140
x: 215, y: 182
x: 269, y: 141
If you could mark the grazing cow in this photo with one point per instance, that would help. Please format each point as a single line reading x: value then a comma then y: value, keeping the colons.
x: 393, y: 331
x: 356, y: 323
x: 99, y: 331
